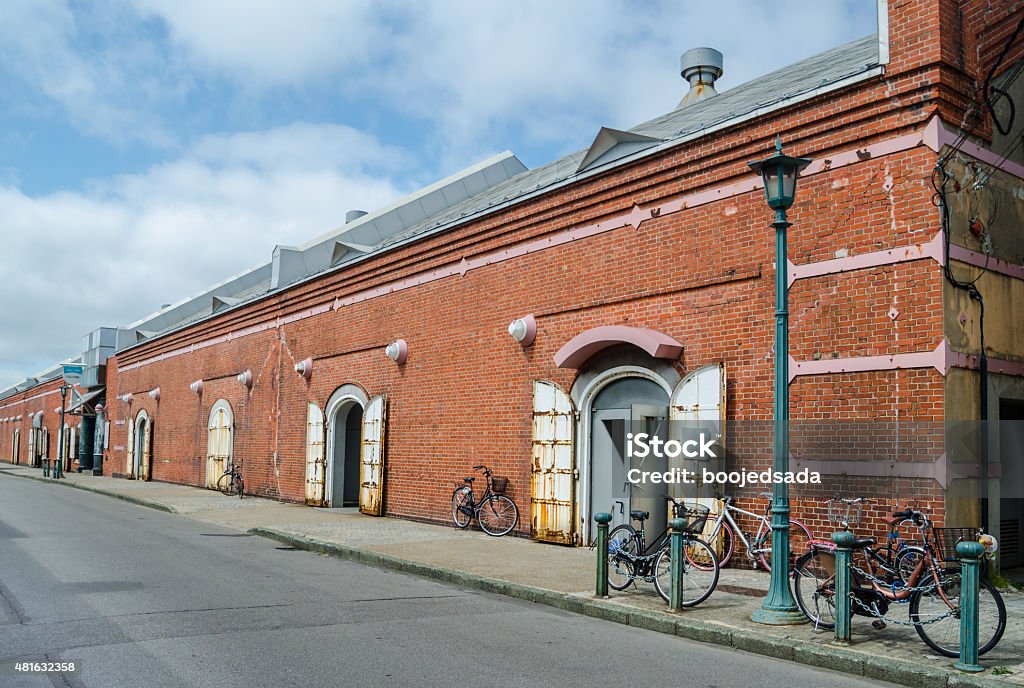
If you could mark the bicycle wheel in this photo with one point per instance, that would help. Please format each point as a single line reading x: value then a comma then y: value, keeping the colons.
x: 723, y: 541
x: 497, y: 515
x: 799, y: 542
x: 906, y: 561
x: 462, y: 512
x: 623, y: 542
x: 226, y: 485
x: 698, y: 582
x: 943, y: 634
x: 814, y: 587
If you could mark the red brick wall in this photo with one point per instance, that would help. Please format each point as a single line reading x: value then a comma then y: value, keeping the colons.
x: 705, y: 276
x: 44, y: 397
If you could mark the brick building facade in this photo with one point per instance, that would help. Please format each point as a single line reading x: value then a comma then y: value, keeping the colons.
x: 646, y: 266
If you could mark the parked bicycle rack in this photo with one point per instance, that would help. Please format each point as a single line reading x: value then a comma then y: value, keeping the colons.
x: 968, y: 552
x: 603, y: 519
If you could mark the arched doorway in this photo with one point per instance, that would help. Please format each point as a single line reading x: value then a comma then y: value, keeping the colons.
x: 343, y: 455
x: 15, y: 446
x: 353, y: 462
x: 141, y: 447
x: 623, y: 402
x: 219, y: 442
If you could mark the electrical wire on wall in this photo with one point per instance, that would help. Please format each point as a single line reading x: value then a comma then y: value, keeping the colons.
x: 941, y: 179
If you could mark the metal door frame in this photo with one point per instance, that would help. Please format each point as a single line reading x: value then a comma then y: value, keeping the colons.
x: 583, y: 458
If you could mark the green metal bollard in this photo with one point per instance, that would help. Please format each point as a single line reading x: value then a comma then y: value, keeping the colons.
x: 970, y: 554
x: 844, y: 554
x: 603, y: 519
x: 675, y: 597
x: 46, y: 467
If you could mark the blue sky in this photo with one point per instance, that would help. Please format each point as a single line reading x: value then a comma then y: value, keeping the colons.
x: 151, y: 147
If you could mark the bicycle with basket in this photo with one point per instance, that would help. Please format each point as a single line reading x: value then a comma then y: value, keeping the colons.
x: 925, y: 577
x: 494, y: 512
x: 630, y: 558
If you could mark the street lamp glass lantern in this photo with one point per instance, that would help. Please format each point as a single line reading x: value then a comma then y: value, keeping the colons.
x: 779, y: 173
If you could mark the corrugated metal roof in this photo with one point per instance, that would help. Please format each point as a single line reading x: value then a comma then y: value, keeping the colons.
x: 807, y: 75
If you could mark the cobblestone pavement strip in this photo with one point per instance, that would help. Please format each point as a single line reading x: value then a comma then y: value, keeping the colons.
x: 564, y: 577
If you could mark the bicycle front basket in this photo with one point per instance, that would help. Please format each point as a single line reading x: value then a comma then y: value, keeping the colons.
x: 842, y: 513
x: 946, y: 540
x: 696, y: 518
x: 499, y: 485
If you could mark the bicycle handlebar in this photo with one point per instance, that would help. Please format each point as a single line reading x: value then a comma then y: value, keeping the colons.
x: 487, y: 471
x: 917, y: 516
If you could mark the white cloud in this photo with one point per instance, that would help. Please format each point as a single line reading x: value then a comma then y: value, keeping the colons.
x: 272, y: 42
x: 103, y: 92
x: 110, y: 255
x: 480, y: 70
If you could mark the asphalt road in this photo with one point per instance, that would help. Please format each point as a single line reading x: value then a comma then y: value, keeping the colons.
x: 140, y: 598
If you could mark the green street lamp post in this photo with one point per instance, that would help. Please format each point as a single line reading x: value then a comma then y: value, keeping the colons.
x: 780, y: 173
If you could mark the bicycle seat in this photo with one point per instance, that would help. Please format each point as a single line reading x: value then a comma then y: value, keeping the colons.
x: 725, y: 498
x: 468, y: 480
x: 861, y: 543
x: 639, y: 515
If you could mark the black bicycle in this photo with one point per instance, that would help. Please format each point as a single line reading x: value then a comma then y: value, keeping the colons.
x: 496, y: 513
x: 231, y: 483
x: 630, y: 558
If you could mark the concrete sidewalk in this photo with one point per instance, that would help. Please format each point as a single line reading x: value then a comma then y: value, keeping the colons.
x: 564, y: 577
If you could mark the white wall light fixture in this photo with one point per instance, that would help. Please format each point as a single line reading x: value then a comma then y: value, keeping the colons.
x: 305, y: 368
x: 155, y: 393
x: 245, y: 378
x: 397, y: 351
x: 524, y: 330
x: 197, y: 387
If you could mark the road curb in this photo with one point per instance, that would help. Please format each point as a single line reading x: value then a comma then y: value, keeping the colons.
x: 840, y: 659
x: 67, y: 483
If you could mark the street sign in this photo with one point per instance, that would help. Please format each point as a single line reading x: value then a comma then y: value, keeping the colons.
x: 73, y: 373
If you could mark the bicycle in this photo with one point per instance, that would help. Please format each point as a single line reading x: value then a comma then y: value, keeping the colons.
x: 630, y: 558
x: 759, y: 547
x: 934, y: 605
x: 901, y: 553
x: 231, y: 483
x: 496, y: 513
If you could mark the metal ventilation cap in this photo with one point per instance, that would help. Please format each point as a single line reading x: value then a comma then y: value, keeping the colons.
x: 354, y: 215
x: 700, y: 66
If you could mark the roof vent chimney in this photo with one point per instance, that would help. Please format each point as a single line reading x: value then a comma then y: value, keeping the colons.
x: 354, y: 215
x: 700, y: 66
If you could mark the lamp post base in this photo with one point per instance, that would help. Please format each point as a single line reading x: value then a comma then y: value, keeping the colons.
x: 782, y: 616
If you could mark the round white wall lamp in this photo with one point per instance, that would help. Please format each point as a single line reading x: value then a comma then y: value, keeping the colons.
x: 155, y: 393
x: 305, y: 368
x: 524, y: 330
x: 197, y: 386
x: 56, y: 409
x: 397, y: 351
x: 99, y: 408
x: 126, y: 398
x: 17, y: 417
x: 245, y: 378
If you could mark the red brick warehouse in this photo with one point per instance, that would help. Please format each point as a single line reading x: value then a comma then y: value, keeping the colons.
x: 642, y: 271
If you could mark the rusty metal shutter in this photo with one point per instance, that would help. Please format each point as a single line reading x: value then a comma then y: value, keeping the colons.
x: 129, y: 468
x: 371, y: 469
x: 699, y: 401
x: 315, y: 461
x: 145, y: 466
x: 218, y: 445
x: 553, y: 466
